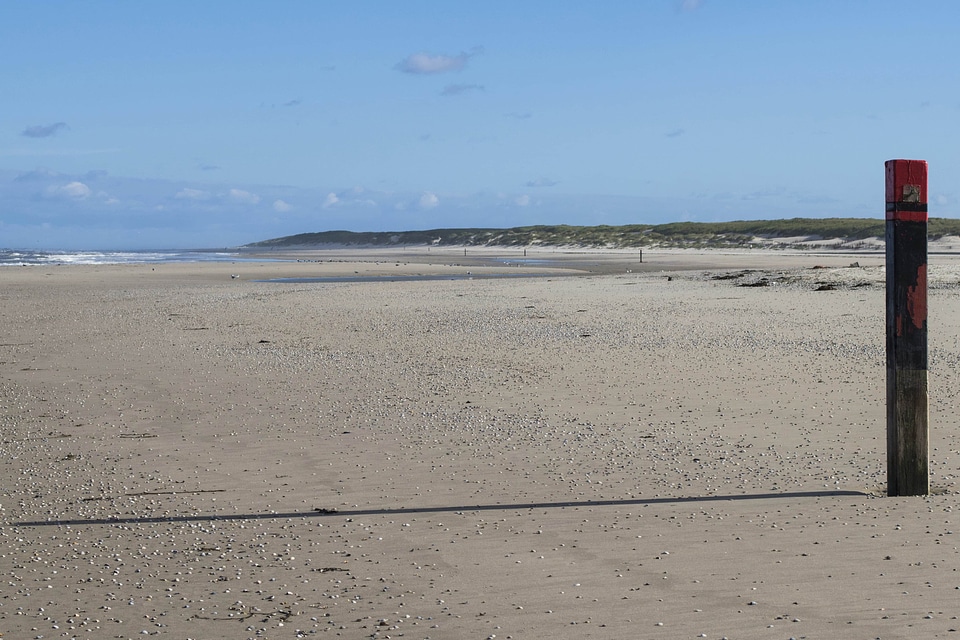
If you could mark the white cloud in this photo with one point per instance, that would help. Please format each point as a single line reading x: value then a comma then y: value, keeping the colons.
x: 281, y: 207
x: 330, y: 200
x: 192, y: 194
x: 243, y: 197
x: 522, y: 201
x: 71, y: 190
x: 351, y: 199
x: 428, y: 200
x: 426, y: 64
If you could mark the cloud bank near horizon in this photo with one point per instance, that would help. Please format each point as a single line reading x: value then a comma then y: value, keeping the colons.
x: 49, y: 209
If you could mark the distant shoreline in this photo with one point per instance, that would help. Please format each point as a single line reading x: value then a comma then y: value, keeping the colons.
x: 541, y: 259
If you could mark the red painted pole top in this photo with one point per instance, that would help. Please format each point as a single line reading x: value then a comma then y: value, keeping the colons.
x: 907, y: 190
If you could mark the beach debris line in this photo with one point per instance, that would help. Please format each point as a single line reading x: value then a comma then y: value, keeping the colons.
x: 733, y: 276
x: 243, y: 613
x: 816, y: 278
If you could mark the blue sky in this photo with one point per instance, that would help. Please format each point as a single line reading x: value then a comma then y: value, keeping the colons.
x: 208, y: 124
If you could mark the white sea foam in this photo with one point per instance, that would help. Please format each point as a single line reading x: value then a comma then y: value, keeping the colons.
x: 11, y: 257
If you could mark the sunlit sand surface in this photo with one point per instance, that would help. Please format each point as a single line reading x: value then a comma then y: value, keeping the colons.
x: 689, y: 447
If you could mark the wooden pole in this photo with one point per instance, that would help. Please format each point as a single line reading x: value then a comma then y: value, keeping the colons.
x: 907, y: 404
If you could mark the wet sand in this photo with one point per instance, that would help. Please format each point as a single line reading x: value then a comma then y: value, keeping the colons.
x: 655, y: 453
x: 582, y: 260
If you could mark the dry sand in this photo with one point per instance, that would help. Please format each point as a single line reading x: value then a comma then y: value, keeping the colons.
x: 652, y: 454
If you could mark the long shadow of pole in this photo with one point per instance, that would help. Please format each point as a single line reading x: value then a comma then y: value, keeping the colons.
x: 328, y: 513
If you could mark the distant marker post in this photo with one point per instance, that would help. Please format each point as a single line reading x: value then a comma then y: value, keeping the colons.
x: 906, y: 253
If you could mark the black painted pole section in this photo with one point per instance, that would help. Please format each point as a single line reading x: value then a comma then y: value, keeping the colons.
x: 907, y: 406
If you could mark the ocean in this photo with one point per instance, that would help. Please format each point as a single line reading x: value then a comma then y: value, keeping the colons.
x: 23, y: 257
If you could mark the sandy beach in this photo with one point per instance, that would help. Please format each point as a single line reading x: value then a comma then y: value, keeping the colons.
x: 691, y: 447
